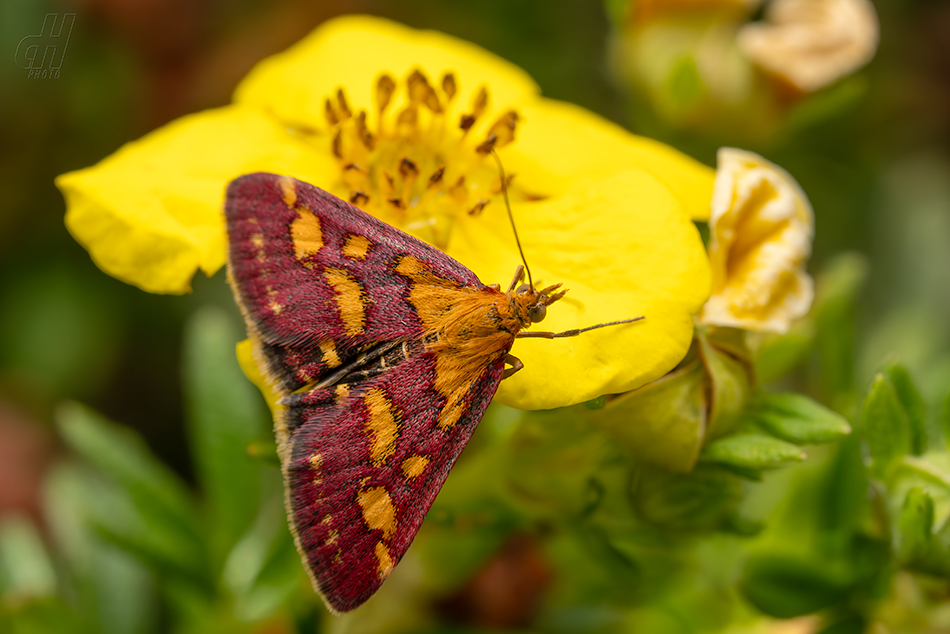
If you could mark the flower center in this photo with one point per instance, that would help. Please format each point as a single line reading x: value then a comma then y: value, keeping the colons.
x: 418, y: 165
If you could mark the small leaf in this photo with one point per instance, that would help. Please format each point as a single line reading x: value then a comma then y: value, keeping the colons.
x: 912, y: 403
x: 751, y: 451
x: 703, y: 500
x: 836, y: 290
x: 25, y: 567
x: 945, y: 420
x: 916, y: 522
x: 786, y: 586
x: 886, y: 429
x: 152, y: 516
x: 797, y: 418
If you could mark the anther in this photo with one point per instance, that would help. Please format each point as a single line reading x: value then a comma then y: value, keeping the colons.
x: 359, y: 197
x: 396, y: 202
x: 329, y: 113
x: 436, y: 177
x: 385, y: 86
x: 337, y: 144
x: 487, y: 145
x: 408, y: 169
x: 504, y: 128
x: 448, y: 86
x: 408, y: 116
x: 345, y: 112
x: 479, y: 206
x: 466, y: 122
x: 458, y: 191
x: 365, y: 135
x: 480, y: 102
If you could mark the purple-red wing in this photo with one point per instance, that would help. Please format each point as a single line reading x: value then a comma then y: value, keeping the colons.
x: 328, y: 463
x: 340, y: 549
x: 267, y: 274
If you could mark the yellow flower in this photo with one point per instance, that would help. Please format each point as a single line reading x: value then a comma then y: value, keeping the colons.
x: 761, y: 229
x: 812, y: 43
x: 398, y: 121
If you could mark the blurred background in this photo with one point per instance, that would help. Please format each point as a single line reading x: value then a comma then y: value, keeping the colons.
x: 871, y: 148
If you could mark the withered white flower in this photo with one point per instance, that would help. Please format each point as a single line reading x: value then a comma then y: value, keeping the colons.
x: 761, y: 227
x: 812, y: 43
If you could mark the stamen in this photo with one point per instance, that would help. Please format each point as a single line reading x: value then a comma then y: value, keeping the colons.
x: 448, y: 86
x: 458, y: 191
x: 487, y: 145
x: 480, y: 102
x: 382, y: 159
x: 479, y: 206
x: 345, y: 112
x: 385, y: 87
x: 337, y: 144
x: 364, y: 134
x: 330, y: 114
x: 504, y: 128
x: 436, y: 177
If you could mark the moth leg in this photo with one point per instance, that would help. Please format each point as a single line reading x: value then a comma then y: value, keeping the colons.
x: 519, y: 277
x: 515, y: 364
x: 497, y: 287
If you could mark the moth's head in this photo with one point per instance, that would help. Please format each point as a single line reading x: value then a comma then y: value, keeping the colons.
x: 534, y: 303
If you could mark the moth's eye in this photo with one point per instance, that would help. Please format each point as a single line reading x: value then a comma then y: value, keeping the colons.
x: 537, y: 312
x: 524, y: 288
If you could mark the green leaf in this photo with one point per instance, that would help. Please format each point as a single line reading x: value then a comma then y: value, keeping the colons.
x: 945, y: 420
x: 25, y: 567
x: 797, y: 418
x: 112, y: 588
x: 916, y: 523
x: 703, y: 500
x: 912, y: 402
x: 886, y: 428
x: 151, y: 515
x: 226, y: 416
x: 751, y: 451
x: 837, y: 288
x: 785, y: 586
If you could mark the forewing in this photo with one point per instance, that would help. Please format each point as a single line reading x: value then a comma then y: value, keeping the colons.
x: 315, y: 277
x: 365, y: 465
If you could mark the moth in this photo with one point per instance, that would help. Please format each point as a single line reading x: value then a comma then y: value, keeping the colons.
x: 384, y: 353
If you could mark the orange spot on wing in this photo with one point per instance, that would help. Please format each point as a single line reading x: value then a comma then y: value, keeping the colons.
x: 413, y: 466
x: 350, y: 300
x: 356, y: 247
x: 385, y: 561
x: 378, y: 510
x: 330, y: 357
x: 342, y: 391
x: 288, y: 191
x: 382, y: 425
x: 306, y: 233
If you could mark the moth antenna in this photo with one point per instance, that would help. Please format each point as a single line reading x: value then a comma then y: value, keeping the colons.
x: 504, y: 192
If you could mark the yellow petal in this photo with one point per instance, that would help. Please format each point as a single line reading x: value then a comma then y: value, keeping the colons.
x: 151, y: 213
x: 624, y: 248
x: 245, y: 357
x: 760, y: 238
x: 352, y: 51
x: 560, y: 141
